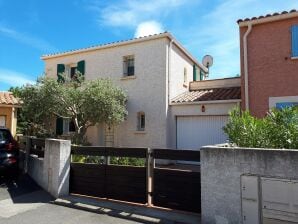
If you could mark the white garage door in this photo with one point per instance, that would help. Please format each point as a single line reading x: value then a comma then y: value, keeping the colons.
x: 196, y: 131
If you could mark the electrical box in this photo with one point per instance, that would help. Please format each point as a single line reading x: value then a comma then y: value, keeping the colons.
x: 250, y: 199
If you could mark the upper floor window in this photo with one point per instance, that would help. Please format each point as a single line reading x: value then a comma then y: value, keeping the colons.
x: 73, y: 71
x: 295, y: 41
x: 70, y: 70
x: 129, y: 65
x: 185, y: 76
x: 141, y: 121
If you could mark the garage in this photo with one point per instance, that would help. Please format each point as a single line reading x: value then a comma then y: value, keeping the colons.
x: 193, y: 132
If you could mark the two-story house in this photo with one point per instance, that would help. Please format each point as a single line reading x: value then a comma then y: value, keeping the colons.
x: 269, y: 61
x: 154, y: 71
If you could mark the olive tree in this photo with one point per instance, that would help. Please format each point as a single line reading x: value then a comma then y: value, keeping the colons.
x: 86, y: 103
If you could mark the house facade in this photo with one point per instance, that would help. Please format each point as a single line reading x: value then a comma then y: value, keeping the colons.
x: 8, y: 111
x: 269, y: 62
x: 152, y: 70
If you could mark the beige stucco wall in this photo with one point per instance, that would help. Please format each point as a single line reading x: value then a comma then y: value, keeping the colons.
x: 179, y: 61
x: 194, y: 110
x: 146, y: 92
x: 11, y: 118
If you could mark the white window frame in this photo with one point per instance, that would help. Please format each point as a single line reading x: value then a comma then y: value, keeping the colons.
x: 4, y: 120
x: 141, y: 127
x: 66, y: 122
x: 283, y: 99
x: 125, y: 65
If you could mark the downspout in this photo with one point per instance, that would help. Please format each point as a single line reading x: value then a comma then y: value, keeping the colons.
x: 249, y: 25
x: 169, y: 69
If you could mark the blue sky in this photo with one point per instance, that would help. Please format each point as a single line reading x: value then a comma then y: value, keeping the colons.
x: 31, y: 28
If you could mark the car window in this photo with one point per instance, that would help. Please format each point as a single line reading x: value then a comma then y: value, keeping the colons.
x: 4, y: 136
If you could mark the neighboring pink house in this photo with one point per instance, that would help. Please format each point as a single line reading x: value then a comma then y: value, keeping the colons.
x: 269, y: 61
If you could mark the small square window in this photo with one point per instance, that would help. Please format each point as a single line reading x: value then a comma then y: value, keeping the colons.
x: 141, y: 121
x: 128, y: 66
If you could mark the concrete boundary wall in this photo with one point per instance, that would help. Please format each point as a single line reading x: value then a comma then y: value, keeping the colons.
x: 51, y: 172
x: 221, y: 170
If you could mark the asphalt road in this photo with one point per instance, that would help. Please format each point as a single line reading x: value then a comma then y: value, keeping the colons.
x: 23, y: 202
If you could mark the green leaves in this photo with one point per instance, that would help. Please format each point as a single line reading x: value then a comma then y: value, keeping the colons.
x: 279, y: 129
x: 85, y: 102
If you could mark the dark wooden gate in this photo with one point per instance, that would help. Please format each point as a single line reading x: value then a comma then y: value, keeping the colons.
x: 174, y: 187
x: 127, y: 183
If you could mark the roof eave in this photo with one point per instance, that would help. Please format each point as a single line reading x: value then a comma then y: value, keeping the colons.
x: 132, y: 41
x: 268, y: 19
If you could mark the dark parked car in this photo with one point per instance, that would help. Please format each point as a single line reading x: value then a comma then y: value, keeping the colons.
x: 9, y: 153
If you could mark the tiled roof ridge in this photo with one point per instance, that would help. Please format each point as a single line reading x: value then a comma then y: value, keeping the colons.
x: 104, y: 44
x: 210, y: 94
x: 268, y: 15
x: 7, y: 98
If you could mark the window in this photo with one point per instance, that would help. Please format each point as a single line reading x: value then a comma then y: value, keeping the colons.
x: 64, y: 126
x: 285, y: 104
x: 295, y: 41
x: 185, y: 76
x: 128, y: 66
x: 73, y: 71
x: 2, y: 121
x: 141, y: 121
x: 68, y: 126
x: 70, y: 70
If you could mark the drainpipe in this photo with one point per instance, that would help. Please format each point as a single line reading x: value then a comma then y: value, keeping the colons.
x: 249, y: 28
x: 169, y: 69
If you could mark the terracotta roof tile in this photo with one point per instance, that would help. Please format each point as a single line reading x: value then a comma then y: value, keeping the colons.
x: 232, y: 93
x: 7, y: 98
x: 268, y: 15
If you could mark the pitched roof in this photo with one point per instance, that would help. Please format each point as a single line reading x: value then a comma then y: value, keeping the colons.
x: 125, y: 42
x: 266, y: 16
x: 7, y: 98
x: 231, y: 93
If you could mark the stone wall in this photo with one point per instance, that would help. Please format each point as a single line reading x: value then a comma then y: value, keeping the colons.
x: 51, y: 172
x: 221, y: 169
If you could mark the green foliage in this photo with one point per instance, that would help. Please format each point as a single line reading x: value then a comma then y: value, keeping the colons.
x: 123, y: 161
x: 279, y: 129
x: 84, y: 102
x: 127, y: 161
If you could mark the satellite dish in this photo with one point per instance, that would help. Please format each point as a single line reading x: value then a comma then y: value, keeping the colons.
x: 208, y: 61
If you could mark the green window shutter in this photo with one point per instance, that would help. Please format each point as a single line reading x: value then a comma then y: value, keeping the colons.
x: 295, y: 41
x: 59, y: 126
x: 81, y: 67
x: 201, y: 75
x: 195, y: 73
x: 60, y: 70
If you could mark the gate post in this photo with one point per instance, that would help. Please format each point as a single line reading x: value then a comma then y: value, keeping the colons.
x: 57, y: 166
x: 27, y: 153
x: 149, y: 179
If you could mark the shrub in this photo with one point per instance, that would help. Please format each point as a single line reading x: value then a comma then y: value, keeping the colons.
x: 279, y: 129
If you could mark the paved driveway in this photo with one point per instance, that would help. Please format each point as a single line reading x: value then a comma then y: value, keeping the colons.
x: 23, y: 202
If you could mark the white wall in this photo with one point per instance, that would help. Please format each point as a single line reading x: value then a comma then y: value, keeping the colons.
x: 179, y: 61
x: 146, y: 92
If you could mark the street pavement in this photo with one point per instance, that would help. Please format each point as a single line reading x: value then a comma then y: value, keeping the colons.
x: 23, y: 202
